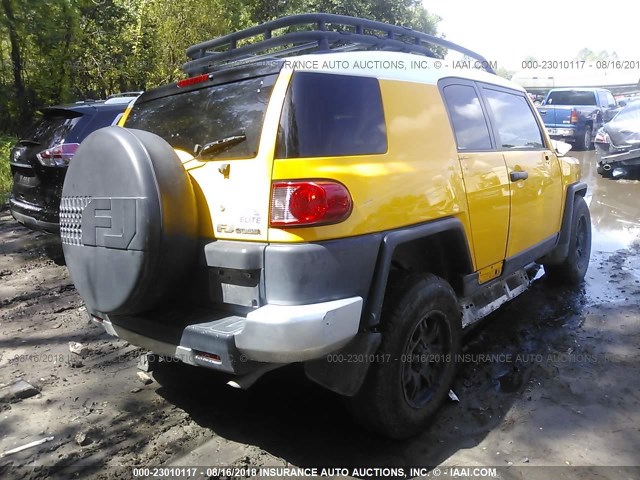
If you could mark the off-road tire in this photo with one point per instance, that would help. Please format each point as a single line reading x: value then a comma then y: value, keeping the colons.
x: 585, y: 142
x: 385, y: 404
x: 573, y: 269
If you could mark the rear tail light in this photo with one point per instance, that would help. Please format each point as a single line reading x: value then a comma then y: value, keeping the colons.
x: 602, y: 136
x: 58, y: 156
x: 574, y: 116
x: 309, y: 203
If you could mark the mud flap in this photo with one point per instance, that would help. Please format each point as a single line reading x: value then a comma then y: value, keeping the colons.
x: 344, y: 371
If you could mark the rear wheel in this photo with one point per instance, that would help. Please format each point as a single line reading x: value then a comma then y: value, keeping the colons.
x: 416, y: 363
x: 573, y: 269
x: 584, y: 143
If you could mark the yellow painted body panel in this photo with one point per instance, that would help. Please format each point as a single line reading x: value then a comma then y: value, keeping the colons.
x: 124, y: 116
x: 488, y: 195
x: 536, y: 203
x: 236, y: 206
x: 417, y: 180
x: 489, y: 273
x: 420, y: 178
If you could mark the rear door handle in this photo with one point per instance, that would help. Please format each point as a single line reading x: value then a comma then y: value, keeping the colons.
x: 515, y: 176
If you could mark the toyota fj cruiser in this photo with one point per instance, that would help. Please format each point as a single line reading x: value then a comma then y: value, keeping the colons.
x: 352, y: 207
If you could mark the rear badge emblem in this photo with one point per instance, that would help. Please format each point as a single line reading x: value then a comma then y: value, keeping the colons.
x: 109, y: 222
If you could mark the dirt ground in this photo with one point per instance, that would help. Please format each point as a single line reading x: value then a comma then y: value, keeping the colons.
x: 552, y: 380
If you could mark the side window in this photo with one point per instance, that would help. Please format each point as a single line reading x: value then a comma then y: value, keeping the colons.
x: 611, y: 102
x: 467, y: 118
x: 331, y: 115
x: 515, y: 123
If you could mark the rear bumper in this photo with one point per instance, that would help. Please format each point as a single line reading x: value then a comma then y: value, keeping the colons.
x: 617, y: 158
x: 240, y: 344
x: 562, y: 132
x: 33, y: 216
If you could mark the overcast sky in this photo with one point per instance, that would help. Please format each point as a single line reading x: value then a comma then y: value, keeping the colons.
x: 508, y: 32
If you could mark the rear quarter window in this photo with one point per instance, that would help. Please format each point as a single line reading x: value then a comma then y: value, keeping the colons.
x: 327, y: 115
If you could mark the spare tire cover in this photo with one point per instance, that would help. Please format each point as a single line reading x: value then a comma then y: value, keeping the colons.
x: 128, y: 220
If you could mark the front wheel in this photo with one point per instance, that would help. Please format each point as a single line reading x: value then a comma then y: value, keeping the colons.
x: 421, y: 331
x: 573, y: 269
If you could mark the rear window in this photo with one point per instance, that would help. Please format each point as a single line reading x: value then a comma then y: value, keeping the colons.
x: 327, y: 115
x: 571, y: 97
x: 222, y: 121
x: 52, y: 128
x: 630, y: 113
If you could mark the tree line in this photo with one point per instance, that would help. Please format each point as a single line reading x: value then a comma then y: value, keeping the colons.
x: 59, y: 51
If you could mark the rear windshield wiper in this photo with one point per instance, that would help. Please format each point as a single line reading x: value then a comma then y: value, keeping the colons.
x: 28, y: 142
x: 220, y: 145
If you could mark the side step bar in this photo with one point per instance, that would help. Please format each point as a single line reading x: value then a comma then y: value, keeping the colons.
x: 491, y: 297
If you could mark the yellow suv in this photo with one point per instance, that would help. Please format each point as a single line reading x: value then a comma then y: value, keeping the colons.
x: 320, y: 189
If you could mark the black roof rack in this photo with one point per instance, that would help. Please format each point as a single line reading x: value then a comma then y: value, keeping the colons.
x: 245, y: 46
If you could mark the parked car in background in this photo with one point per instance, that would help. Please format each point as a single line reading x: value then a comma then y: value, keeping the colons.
x: 618, y: 143
x: 39, y: 160
x: 575, y: 114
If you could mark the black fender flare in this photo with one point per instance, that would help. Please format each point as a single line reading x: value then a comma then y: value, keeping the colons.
x: 561, y: 250
x: 344, y: 371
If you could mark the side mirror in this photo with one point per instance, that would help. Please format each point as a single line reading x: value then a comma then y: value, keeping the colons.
x: 622, y: 103
x: 561, y: 148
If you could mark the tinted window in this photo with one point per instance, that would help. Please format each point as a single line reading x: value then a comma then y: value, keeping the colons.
x: 331, y: 115
x: 102, y: 119
x: 516, y: 125
x: 469, y: 123
x: 571, y: 97
x: 52, y: 128
x: 189, y: 121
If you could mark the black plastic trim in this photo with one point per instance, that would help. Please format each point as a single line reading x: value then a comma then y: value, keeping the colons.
x: 470, y: 285
x: 235, y: 74
x: 32, y: 222
x: 298, y: 274
x: 391, y: 240
x: 237, y: 255
x: 345, y: 377
x: 530, y: 255
x: 561, y: 250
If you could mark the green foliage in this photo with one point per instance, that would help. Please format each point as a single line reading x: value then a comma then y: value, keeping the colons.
x: 6, y: 143
x: 589, y: 55
x: 81, y: 49
x: 504, y: 73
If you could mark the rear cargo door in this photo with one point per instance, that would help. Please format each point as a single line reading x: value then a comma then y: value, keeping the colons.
x: 216, y: 130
